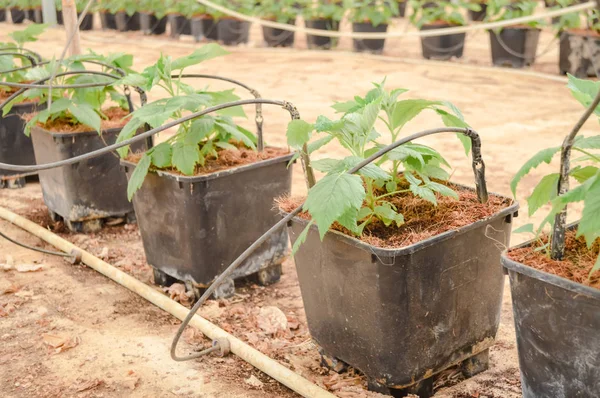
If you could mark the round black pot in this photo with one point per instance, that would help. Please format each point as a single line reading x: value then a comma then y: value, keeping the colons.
x: 86, y: 193
x: 181, y: 248
x: 442, y: 47
x: 402, y: 8
x: 578, y: 54
x: 278, y: 37
x: 368, y: 45
x: 86, y: 24
x: 59, y: 17
x: 322, y: 42
x: 515, y: 47
x: 151, y: 25
x: 364, y: 303
x: 233, y: 32
x: 2, y: 15
x: 17, y: 16
x: 478, y: 15
x: 16, y: 147
x: 30, y: 14
x: 179, y: 25
x: 108, y: 21
x: 210, y: 28
x: 126, y: 23
x: 557, y: 323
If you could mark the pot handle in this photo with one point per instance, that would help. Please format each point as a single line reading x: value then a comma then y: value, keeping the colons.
x: 258, y: 119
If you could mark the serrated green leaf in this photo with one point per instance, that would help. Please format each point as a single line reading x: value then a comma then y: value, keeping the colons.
x: 85, y: 114
x: 204, y: 53
x: 185, y: 157
x: 331, y: 197
x: 391, y: 186
x: 423, y: 192
x: 588, y: 142
x: 29, y: 34
x: 451, y: 120
x: 226, y: 145
x: 298, y: 133
x: 388, y: 215
x: 406, y: 110
x: 432, y: 171
x: 582, y: 174
x: 232, y: 129
x: 442, y: 189
x: 346, y: 107
x: 349, y: 221
x: 589, y: 226
x: 543, y: 156
x: 327, y: 165
x: 199, y: 130
x: 543, y: 193
x: 161, y: 155
x: 127, y: 132
x: 138, y: 176
x: 584, y: 91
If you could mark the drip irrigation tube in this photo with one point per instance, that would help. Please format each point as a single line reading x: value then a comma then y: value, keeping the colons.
x: 238, y: 347
x: 427, y: 33
x: 32, y: 61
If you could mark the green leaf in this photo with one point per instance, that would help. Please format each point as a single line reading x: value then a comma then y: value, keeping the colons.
x: 298, y: 133
x: 582, y: 174
x: 199, y: 130
x: 301, y: 238
x: 332, y: 196
x: 126, y: 133
x: 85, y: 114
x: 29, y: 34
x: 388, y: 215
x: 423, y: 192
x: 138, y: 176
x: 544, y: 192
x: 595, y: 268
x: 327, y: 165
x: 346, y: 107
x: 451, y: 120
x: 527, y: 228
x: 588, y: 142
x: 349, y: 220
x: 584, y: 91
x: 161, y: 155
x: 543, y: 156
x: 185, y: 157
x: 406, y: 110
x: 442, y: 189
x: 589, y: 226
x: 204, y: 53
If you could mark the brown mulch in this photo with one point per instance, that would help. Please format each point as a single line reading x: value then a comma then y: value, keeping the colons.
x: 576, y: 266
x: 422, y: 219
x: 6, y: 92
x: 228, y: 158
x: 115, y: 119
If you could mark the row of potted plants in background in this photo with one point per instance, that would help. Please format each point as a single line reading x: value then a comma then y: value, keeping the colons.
x: 511, y: 46
x: 369, y: 247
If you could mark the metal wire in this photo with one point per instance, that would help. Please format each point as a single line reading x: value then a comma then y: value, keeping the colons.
x: 242, y: 257
x: 31, y: 59
x: 37, y: 249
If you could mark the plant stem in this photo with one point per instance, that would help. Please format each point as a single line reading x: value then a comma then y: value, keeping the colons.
x: 392, y: 193
x: 560, y: 221
x: 596, y: 158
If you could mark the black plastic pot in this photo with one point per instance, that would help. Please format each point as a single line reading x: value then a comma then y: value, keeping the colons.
x: 194, y: 227
x: 402, y: 8
x: 86, y: 24
x: 401, y: 316
x: 442, y: 47
x: 180, y: 25
x: 321, y: 42
x: 369, y: 45
x: 2, y: 15
x: 108, y: 21
x: 86, y: 193
x: 210, y: 28
x: 578, y: 54
x: 151, y: 25
x: 478, y: 15
x: 17, y: 15
x: 233, y: 32
x: 515, y: 47
x: 37, y: 15
x: 557, y: 323
x: 279, y: 37
x: 15, y: 147
x: 126, y: 23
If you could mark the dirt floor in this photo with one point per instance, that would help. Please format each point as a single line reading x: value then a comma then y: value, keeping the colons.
x: 67, y: 331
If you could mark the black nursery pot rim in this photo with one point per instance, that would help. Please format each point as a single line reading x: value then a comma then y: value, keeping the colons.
x: 218, y: 173
x: 415, y: 247
x: 514, y: 28
x: 544, y: 276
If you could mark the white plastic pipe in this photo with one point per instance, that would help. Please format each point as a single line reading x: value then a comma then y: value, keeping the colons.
x: 420, y: 33
x: 254, y: 357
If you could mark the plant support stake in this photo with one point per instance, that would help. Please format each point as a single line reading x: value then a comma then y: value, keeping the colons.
x: 560, y: 220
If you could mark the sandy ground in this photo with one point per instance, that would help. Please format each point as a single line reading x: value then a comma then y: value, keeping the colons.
x: 68, y: 331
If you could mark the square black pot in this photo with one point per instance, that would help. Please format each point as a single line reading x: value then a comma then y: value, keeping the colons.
x: 403, y: 315
x: 515, y: 47
x: 15, y: 146
x: 194, y: 227
x: 578, y: 54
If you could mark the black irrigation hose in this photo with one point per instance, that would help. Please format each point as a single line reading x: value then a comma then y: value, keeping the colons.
x: 478, y: 169
x: 32, y: 61
x: 39, y: 167
x: 37, y: 249
x: 37, y: 56
x: 114, y: 68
